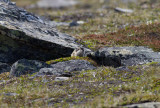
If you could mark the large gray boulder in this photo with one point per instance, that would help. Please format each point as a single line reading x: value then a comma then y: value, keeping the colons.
x: 125, y: 56
x: 24, y: 35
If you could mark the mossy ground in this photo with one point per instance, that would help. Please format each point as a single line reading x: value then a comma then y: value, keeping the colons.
x: 105, y: 86
x: 109, y: 86
x: 72, y: 58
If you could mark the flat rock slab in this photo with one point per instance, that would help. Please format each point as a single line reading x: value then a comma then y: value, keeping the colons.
x: 55, y: 3
x: 55, y: 24
x: 144, y: 105
x: 123, y: 10
x: 25, y: 35
x: 65, y: 68
x: 9, y: 94
x: 125, y: 56
x: 61, y: 78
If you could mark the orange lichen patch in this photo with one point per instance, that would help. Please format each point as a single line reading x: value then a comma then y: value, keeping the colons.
x: 144, y: 35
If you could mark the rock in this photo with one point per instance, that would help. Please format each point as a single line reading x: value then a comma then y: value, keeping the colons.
x: 76, y: 23
x: 144, y: 105
x: 123, y: 10
x: 61, y: 78
x: 73, y: 65
x: 65, y: 68
x: 123, y: 68
x: 9, y: 94
x: 80, y: 22
x: 23, y: 66
x: 54, y: 3
x: 125, y: 56
x: 4, y: 67
x: 105, y: 58
x: 73, y: 23
x: 24, y: 35
x: 129, y: 1
x: 55, y: 24
x: 6, y: 1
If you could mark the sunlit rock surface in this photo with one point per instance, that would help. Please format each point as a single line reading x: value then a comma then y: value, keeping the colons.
x: 125, y: 56
x: 25, y: 35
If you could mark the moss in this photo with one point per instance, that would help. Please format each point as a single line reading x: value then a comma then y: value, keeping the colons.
x: 153, y: 64
x: 72, y: 58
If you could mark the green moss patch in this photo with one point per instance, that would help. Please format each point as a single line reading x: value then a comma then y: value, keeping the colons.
x: 72, y: 58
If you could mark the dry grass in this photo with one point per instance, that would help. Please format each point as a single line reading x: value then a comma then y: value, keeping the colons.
x: 138, y: 84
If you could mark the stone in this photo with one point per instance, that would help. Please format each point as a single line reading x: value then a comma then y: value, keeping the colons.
x: 4, y: 67
x: 23, y: 67
x: 55, y: 24
x: 66, y: 68
x: 73, y: 23
x: 6, y: 1
x: 105, y: 58
x: 123, y: 10
x: 54, y: 3
x: 25, y: 35
x: 123, y: 68
x: 144, y: 105
x: 80, y: 22
x: 125, y: 56
x: 61, y: 78
x: 129, y: 1
x: 9, y: 94
x: 76, y: 23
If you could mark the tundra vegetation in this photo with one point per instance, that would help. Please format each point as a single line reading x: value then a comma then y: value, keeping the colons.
x: 104, y: 86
